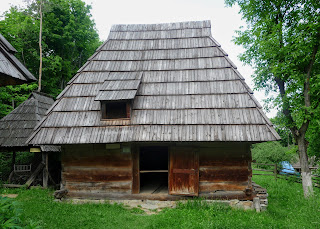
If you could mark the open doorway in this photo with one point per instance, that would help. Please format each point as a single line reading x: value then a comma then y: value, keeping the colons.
x: 154, y: 170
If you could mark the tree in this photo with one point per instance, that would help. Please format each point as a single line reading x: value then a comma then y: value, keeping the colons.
x: 69, y: 38
x: 279, y: 124
x: 282, y: 43
x: 271, y: 153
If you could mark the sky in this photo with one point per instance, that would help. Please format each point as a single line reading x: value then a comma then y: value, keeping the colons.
x: 224, y: 22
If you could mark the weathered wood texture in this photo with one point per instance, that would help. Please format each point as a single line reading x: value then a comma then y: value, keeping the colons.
x: 12, y: 71
x: 94, y: 169
x: 182, y: 84
x: 184, y: 171
x: 225, y: 168
x: 222, y: 170
x: 18, y: 125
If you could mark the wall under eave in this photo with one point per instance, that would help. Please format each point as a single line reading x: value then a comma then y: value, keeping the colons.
x: 92, y: 171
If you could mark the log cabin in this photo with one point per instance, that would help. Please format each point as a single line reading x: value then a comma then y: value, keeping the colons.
x: 158, y: 112
x: 12, y: 71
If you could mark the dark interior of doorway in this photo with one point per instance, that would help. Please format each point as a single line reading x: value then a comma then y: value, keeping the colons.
x: 154, y: 170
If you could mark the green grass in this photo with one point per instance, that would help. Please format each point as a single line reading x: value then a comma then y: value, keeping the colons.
x: 287, y: 209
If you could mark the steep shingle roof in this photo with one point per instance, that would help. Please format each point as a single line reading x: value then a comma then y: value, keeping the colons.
x: 189, y: 91
x: 16, y: 127
x: 12, y: 71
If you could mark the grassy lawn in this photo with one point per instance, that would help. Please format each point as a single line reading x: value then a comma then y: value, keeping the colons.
x: 287, y: 209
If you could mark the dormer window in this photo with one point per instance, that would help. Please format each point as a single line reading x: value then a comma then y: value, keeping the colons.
x: 115, y: 110
x: 117, y: 93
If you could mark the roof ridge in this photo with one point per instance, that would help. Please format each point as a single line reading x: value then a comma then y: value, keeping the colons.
x: 161, y: 26
x: 9, y: 47
x: 17, y: 64
x: 42, y: 94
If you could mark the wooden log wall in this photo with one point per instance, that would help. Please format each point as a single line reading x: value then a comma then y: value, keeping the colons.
x: 93, y: 169
x: 225, y: 167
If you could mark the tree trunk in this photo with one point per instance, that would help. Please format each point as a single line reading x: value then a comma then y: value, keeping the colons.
x: 305, y: 171
x: 40, y: 46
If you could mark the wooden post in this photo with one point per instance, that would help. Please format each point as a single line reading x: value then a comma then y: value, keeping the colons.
x: 45, y: 169
x: 275, y: 171
x: 13, y: 160
x: 135, y: 170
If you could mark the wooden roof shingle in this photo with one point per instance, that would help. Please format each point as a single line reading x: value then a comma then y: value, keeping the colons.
x: 12, y: 71
x: 182, y: 84
x: 17, y: 126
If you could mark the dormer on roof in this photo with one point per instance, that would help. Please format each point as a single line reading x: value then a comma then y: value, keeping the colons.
x: 116, y: 96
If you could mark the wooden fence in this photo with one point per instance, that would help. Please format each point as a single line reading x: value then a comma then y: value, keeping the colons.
x: 272, y: 170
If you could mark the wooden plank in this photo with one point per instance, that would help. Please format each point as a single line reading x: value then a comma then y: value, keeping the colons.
x: 225, y: 186
x: 223, y: 174
x: 97, y: 176
x: 183, y: 172
x: 34, y: 174
x: 121, y: 187
x: 135, y: 171
x: 12, y: 185
x: 220, y: 195
x: 266, y: 170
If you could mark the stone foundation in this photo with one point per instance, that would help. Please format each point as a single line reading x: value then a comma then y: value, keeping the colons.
x: 259, y: 202
x: 154, y: 206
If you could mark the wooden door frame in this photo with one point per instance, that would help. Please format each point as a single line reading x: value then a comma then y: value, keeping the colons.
x: 135, y: 154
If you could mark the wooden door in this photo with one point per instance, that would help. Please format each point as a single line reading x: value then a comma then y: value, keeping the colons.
x: 183, y: 172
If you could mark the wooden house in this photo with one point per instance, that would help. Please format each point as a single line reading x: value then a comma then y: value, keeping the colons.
x: 158, y: 112
x: 12, y: 71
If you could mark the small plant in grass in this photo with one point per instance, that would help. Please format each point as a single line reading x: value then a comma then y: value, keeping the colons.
x: 10, y: 215
x: 137, y: 211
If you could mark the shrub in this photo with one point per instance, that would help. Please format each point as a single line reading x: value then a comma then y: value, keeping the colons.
x: 10, y: 215
x: 272, y: 153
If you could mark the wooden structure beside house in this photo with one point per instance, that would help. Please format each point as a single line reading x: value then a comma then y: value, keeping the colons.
x: 158, y: 112
x: 18, y: 125
x: 12, y: 71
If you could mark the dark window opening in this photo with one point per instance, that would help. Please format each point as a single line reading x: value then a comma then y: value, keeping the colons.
x: 115, y: 110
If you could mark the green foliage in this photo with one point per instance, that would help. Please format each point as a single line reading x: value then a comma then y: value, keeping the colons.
x: 279, y: 40
x: 284, y: 197
x: 5, y: 165
x: 282, y: 130
x: 69, y: 39
x: 13, y: 96
x: 11, y: 217
x: 312, y: 135
x: 272, y: 153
